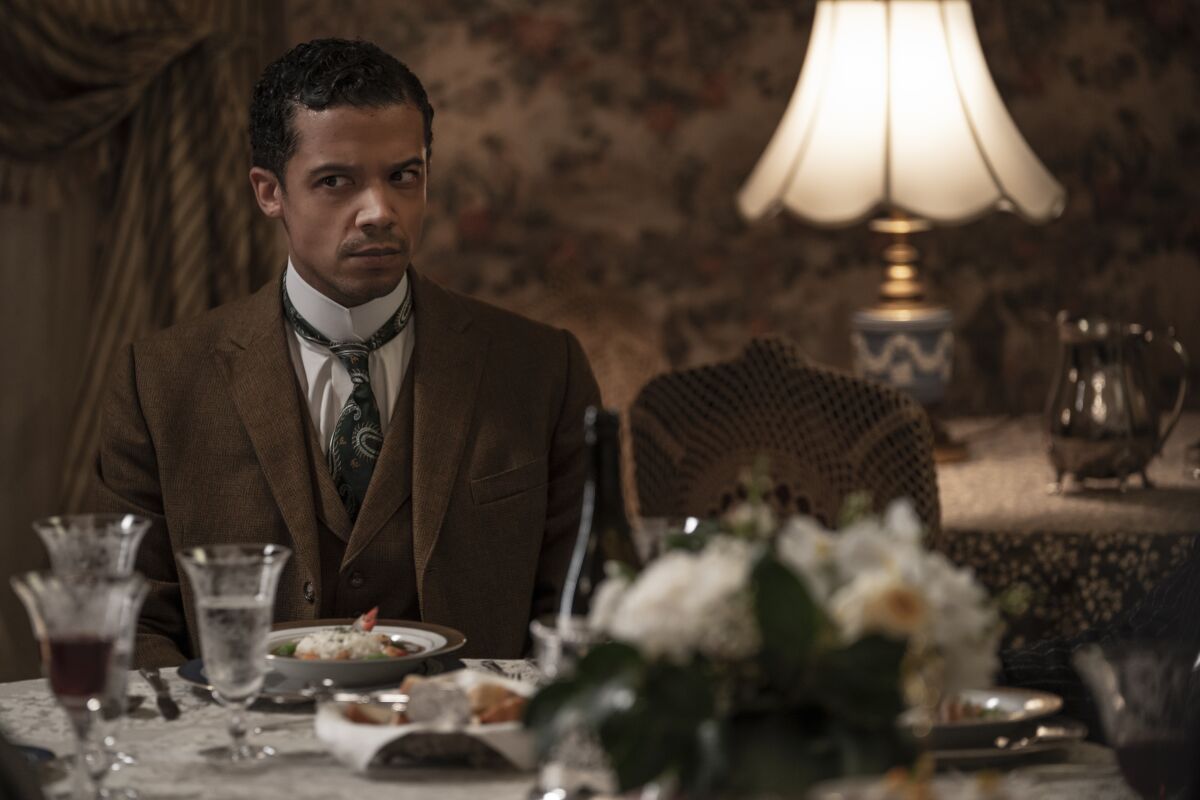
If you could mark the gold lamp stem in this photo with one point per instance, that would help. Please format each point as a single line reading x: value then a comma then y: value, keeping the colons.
x: 902, y: 286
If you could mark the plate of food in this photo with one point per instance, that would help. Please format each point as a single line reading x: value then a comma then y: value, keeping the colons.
x: 974, y: 718
x: 365, y: 651
x: 462, y: 717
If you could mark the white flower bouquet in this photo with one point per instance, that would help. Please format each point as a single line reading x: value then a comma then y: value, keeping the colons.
x: 759, y: 655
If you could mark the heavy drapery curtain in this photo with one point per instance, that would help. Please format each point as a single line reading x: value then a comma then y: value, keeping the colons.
x: 150, y: 97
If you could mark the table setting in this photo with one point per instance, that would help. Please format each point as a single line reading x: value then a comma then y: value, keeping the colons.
x: 170, y: 766
x: 750, y: 656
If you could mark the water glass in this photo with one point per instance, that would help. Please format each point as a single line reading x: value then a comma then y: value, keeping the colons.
x: 94, y: 544
x: 577, y: 766
x: 559, y: 644
x: 101, y: 544
x: 77, y: 621
x: 234, y: 588
x: 1146, y: 693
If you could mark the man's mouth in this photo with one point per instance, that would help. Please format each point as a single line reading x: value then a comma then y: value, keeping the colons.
x: 376, y: 252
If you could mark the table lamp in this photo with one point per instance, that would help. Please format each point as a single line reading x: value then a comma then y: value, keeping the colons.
x: 895, y: 112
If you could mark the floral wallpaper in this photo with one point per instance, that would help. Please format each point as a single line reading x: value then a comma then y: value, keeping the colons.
x: 587, y: 154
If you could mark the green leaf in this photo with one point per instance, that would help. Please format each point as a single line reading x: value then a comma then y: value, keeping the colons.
x: 860, y: 683
x: 779, y: 752
x: 857, y: 506
x: 870, y: 752
x: 603, y: 679
x: 788, y: 618
x: 651, y: 729
x: 548, y: 711
x: 606, y: 659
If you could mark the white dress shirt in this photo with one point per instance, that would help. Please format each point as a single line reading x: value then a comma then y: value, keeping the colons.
x: 323, y: 378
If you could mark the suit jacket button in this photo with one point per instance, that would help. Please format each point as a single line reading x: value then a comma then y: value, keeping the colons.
x: 357, y: 580
x: 309, y: 594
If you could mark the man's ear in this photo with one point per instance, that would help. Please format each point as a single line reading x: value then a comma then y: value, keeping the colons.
x: 268, y: 191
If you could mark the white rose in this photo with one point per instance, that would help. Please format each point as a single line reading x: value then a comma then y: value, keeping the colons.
x: 972, y: 665
x: 962, y: 612
x: 878, y: 602
x: 722, y: 607
x: 963, y: 623
x: 902, y: 522
x: 648, y: 612
x: 864, y: 547
x: 605, y: 602
x: 755, y: 518
x: 685, y: 603
x: 808, y: 550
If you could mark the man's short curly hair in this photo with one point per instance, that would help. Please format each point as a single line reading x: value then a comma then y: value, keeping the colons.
x: 322, y: 74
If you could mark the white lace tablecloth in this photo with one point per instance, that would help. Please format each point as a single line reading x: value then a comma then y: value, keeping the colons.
x: 170, y: 765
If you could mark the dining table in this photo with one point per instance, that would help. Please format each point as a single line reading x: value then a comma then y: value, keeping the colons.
x: 1082, y: 553
x: 171, y: 763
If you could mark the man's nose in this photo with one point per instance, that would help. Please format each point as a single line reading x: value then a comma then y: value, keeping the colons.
x: 376, y: 210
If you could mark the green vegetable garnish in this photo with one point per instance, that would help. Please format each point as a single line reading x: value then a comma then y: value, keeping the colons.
x: 286, y: 649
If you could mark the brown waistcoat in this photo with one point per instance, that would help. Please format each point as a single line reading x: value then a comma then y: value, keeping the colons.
x: 382, y: 574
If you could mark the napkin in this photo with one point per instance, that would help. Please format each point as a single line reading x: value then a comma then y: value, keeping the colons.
x: 361, y: 746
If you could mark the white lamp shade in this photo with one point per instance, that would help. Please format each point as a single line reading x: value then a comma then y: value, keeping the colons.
x: 895, y: 108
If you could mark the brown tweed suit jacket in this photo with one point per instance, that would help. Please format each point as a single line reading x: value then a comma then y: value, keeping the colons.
x: 206, y: 433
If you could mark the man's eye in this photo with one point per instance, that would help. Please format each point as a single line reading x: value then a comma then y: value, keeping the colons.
x: 407, y: 176
x: 331, y: 181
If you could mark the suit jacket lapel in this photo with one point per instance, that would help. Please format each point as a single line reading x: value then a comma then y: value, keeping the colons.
x: 448, y: 360
x: 262, y: 380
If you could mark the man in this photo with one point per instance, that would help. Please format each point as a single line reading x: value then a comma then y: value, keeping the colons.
x: 418, y: 450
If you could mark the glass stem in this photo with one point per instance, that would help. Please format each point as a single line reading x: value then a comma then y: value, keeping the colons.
x: 239, y: 749
x: 84, y: 785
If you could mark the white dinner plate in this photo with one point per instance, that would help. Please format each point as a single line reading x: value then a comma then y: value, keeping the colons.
x: 433, y: 640
x: 280, y: 690
x: 1009, y: 712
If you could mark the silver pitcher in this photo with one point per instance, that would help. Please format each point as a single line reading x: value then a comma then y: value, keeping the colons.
x: 1104, y: 417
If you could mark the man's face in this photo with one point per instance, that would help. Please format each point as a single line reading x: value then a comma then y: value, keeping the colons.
x: 355, y: 198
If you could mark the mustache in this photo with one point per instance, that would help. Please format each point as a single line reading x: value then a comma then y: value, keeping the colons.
x: 355, y: 246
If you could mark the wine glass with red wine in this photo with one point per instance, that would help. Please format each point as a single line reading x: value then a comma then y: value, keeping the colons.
x: 77, y: 621
x: 1145, y: 693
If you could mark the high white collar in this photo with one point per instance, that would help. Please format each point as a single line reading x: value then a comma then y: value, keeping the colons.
x: 335, y: 321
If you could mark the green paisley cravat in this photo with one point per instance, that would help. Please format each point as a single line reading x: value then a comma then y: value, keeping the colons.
x: 357, y: 436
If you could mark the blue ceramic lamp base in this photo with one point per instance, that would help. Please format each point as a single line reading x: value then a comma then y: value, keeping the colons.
x: 905, y: 341
x: 910, y: 347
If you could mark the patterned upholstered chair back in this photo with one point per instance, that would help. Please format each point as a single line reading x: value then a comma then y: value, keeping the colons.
x: 825, y: 434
